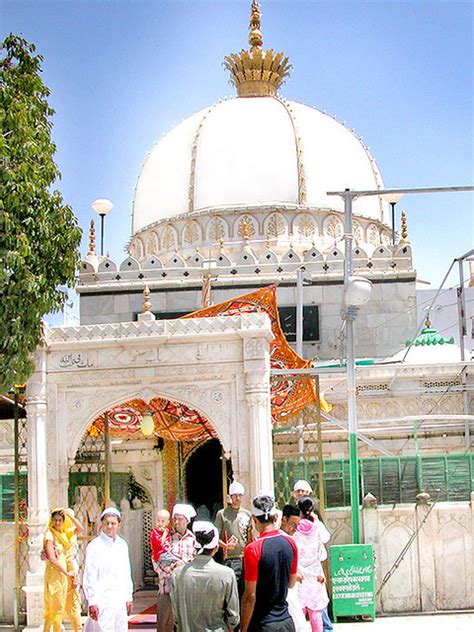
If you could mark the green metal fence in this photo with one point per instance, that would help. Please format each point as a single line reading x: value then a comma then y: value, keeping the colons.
x: 390, y: 479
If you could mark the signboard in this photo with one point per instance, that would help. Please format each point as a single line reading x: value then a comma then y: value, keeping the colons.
x: 353, y: 580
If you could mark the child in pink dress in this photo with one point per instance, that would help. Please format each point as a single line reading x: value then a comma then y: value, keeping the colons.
x: 312, y: 593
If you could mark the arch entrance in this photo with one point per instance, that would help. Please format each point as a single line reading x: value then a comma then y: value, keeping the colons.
x: 211, y: 373
x: 141, y: 456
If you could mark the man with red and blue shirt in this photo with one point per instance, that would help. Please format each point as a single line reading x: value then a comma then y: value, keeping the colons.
x: 270, y: 564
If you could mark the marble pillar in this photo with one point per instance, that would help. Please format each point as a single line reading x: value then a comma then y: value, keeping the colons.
x: 38, y: 509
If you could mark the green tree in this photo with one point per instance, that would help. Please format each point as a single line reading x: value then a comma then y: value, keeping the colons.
x: 39, y: 235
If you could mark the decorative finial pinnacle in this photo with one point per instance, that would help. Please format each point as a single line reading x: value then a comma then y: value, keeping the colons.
x: 427, y: 322
x: 257, y: 72
x: 146, y: 301
x: 404, y: 231
x: 245, y: 230
x: 221, y: 244
x: 255, y: 33
x: 91, y: 238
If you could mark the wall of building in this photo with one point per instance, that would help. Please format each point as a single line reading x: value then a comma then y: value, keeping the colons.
x: 436, y: 572
x: 381, y: 327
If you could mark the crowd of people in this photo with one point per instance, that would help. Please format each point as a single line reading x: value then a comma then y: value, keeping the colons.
x: 253, y: 570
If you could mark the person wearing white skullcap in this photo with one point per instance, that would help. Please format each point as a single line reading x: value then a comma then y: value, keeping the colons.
x: 235, y: 530
x: 203, y: 593
x: 182, y: 547
x: 301, y: 488
x: 107, y: 580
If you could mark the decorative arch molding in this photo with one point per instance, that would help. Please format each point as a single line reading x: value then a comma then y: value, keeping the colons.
x: 152, y: 246
x: 208, y: 401
x: 305, y: 227
x: 275, y: 226
x: 217, y: 228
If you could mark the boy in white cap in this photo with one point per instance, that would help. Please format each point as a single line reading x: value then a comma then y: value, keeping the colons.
x: 182, y: 542
x: 235, y: 530
x: 203, y: 593
x: 107, y: 579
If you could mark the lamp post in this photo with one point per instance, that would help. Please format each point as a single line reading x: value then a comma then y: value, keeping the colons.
x: 356, y: 293
x: 349, y: 299
x: 392, y: 199
x: 102, y: 206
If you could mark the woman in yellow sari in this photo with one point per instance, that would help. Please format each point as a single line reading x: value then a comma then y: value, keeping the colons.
x: 60, y: 581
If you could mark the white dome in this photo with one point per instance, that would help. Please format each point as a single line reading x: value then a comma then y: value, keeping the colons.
x: 251, y: 152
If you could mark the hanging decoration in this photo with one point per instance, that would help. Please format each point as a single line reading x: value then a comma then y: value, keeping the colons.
x: 175, y: 421
x: 167, y: 419
x: 288, y: 396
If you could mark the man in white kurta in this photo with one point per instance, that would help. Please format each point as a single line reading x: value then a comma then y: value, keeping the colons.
x: 107, y: 580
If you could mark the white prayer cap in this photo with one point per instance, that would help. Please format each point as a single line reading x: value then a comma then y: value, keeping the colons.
x: 302, y: 486
x: 111, y: 511
x: 271, y: 509
x: 187, y: 511
x: 203, y: 526
x: 236, y: 488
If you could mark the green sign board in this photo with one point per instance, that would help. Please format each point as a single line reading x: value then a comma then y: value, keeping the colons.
x: 353, y: 580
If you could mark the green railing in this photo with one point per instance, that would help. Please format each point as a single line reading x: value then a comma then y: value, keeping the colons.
x: 7, y: 495
x: 390, y: 479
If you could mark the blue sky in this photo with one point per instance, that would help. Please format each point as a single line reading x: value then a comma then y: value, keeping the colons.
x: 123, y: 72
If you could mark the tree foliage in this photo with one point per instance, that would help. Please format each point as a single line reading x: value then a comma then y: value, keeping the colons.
x: 39, y: 235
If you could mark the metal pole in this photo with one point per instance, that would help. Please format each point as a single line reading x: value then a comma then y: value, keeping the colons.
x: 320, y: 450
x: 107, y: 460
x: 392, y: 204
x: 351, y: 378
x: 224, y: 480
x: 16, y: 510
x: 299, y: 312
x: 461, y: 299
x: 102, y: 218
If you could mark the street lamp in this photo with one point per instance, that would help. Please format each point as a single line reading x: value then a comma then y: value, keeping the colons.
x: 102, y: 206
x: 392, y: 199
x: 357, y: 291
x: 348, y: 196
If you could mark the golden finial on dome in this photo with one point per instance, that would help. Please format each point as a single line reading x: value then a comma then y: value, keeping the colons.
x: 404, y: 231
x: 255, y: 34
x: 146, y: 299
x: 257, y: 72
x: 91, y: 239
x: 427, y: 322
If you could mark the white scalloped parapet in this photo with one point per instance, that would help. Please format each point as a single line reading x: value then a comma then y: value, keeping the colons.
x: 257, y: 324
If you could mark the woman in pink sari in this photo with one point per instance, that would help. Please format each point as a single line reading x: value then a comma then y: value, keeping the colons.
x: 312, y: 593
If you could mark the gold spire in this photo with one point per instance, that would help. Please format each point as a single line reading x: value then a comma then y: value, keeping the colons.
x: 255, y: 34
x: 91, y: 239
x: 404, y: 231
x: 146, y: 299
x: 257, y: 72
x: 427, y: 322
